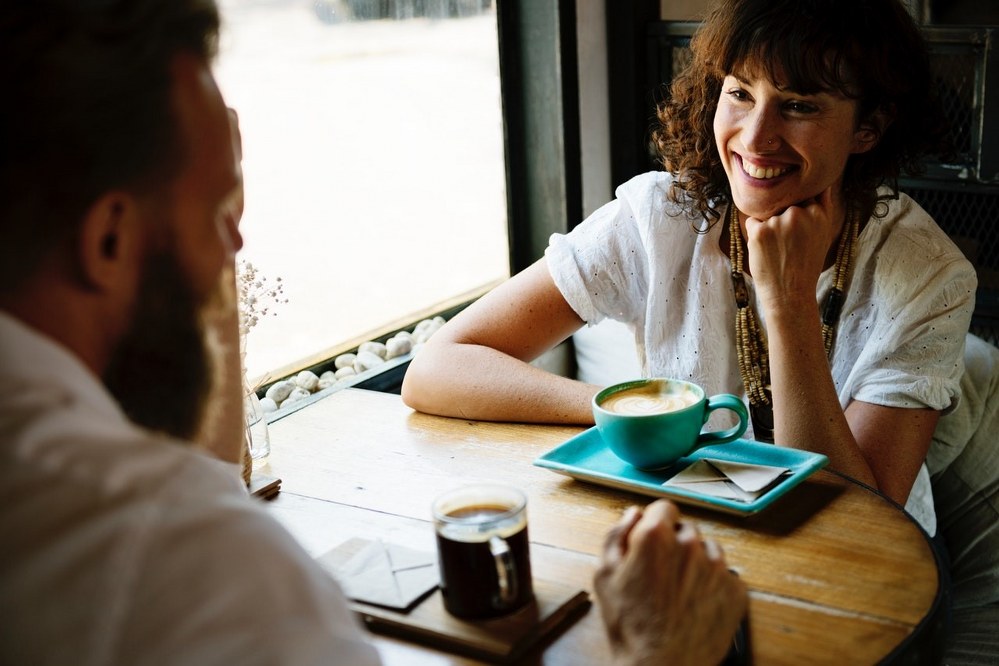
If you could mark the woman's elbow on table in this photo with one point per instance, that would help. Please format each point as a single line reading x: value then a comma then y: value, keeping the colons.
x: 435, y: 381
x: 421, y: 383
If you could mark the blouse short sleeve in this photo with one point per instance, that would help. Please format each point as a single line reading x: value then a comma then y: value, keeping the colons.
x: 911, y: 326
x: 602, y: 266
x: 595, y: 265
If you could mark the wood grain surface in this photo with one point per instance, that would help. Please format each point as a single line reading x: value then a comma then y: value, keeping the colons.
x: 837, y: 573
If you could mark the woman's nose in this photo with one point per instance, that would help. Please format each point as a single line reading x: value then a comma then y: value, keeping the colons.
x: 761, y: 133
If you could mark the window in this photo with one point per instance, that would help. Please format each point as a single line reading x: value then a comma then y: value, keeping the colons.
x: 373, y: 162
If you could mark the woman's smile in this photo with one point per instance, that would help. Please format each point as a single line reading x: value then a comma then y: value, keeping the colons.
x: 780, y: 147
x: 762, y: 171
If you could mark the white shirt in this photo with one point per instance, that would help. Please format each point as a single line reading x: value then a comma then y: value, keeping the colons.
x: 900, y: 338
x: 124, y: 547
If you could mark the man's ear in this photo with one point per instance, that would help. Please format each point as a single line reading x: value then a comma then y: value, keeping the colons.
x: 872, y: 128
x: 109, y: 242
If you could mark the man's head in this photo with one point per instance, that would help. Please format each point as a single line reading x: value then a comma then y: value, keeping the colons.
x: 160, y: 369
x: 87, y: 85
x: 117, y: 173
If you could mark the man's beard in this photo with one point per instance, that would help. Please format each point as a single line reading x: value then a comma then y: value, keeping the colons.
x: 162, y: 370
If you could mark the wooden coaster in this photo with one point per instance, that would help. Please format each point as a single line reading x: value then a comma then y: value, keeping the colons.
x: 264, y: 486
x: 501, y: 640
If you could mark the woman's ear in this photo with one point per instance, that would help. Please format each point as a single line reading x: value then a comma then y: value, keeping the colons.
x: 872, y: 128
x: 108, y: 246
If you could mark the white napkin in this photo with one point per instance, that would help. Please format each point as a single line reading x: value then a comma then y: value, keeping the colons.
x: 742, y: 482
x: 386, y: 574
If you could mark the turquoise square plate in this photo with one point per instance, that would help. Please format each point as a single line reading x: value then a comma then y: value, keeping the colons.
x: 586, y: 457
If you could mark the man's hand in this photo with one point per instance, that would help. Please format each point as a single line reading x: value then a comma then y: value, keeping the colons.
x: 666, y: 595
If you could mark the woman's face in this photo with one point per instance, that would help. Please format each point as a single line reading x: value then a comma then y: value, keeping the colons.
x: 780, y: 148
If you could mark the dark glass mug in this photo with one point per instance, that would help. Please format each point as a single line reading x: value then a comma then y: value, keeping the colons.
x: 483, y: 551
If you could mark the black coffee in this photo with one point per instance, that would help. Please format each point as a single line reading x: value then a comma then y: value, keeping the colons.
x: 470, y: 581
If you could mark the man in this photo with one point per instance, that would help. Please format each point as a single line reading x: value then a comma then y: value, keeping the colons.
x: 128, y: 536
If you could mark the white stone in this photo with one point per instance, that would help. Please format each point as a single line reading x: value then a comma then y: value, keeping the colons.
x: 367, y: 360
x: 403, y: 334
x: 295, y: 396
x: 268, y: 405
x: 427, y: 328
x: 422, y: 326
x: 344, y: 360
x: 279, y: 391
x: 398, y: 346
x: 307, y: 380
x: 373, y: 347
x: 345, y: 372
x: 327, y: 382
x: 329, y: 374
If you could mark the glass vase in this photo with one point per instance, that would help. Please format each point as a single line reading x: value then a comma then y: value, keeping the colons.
x: 257, y: 437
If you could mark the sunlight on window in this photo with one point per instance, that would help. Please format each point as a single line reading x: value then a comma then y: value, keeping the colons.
x: 373, y: 162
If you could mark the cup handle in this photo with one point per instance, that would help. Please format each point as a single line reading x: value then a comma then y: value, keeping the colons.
x: 504, y: 570
x: 724, y: 401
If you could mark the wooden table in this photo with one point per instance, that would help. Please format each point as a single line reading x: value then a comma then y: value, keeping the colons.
x: 837, y: 573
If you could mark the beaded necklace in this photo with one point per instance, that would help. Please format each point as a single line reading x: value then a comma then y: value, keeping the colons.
x: 750, y: 341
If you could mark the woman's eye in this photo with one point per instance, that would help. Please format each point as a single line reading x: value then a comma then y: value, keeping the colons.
x: 800, y: 107
x: 738, y: 94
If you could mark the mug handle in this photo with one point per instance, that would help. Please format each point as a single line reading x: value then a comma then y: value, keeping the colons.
x: 724, y: 401
x: 505, y: 573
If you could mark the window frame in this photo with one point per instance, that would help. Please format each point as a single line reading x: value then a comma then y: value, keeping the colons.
x: 541, y: 136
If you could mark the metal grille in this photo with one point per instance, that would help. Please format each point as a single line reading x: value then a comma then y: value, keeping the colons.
x: 954, y: 74
x: 964, y: 63
x: 971, y: 218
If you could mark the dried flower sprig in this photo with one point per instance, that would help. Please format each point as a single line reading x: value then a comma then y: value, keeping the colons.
x: 258, y: 296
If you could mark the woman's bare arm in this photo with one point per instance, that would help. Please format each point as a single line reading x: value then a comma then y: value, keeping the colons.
x: 880, y: 446
x: 478, y: 365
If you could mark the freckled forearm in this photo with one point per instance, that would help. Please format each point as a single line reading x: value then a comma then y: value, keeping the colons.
x: 807, y: 412
x: 501, y: 388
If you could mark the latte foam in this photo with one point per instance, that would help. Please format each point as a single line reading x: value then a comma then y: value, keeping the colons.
x: 648, y: 400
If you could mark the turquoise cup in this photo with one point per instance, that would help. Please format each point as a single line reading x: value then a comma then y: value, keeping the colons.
x: 652, y: 423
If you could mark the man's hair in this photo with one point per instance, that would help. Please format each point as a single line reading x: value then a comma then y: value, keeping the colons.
x: 87, y: 109
x: 867, y: 50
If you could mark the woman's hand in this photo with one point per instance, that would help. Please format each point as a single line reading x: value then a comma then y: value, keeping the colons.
x: 789, y: 251
x: 666, y: 595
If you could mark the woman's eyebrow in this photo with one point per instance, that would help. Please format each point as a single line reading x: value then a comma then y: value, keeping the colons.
x: 741, y: 78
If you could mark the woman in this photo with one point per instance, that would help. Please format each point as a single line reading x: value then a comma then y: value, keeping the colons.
x: 774, y: 257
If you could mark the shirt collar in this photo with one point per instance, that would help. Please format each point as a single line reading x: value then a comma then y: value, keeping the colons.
x: 30, y: 358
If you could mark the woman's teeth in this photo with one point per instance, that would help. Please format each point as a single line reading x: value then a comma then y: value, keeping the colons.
x: 764, y: 173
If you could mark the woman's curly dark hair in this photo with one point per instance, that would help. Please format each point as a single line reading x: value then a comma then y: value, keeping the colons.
x: 868, y: 50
